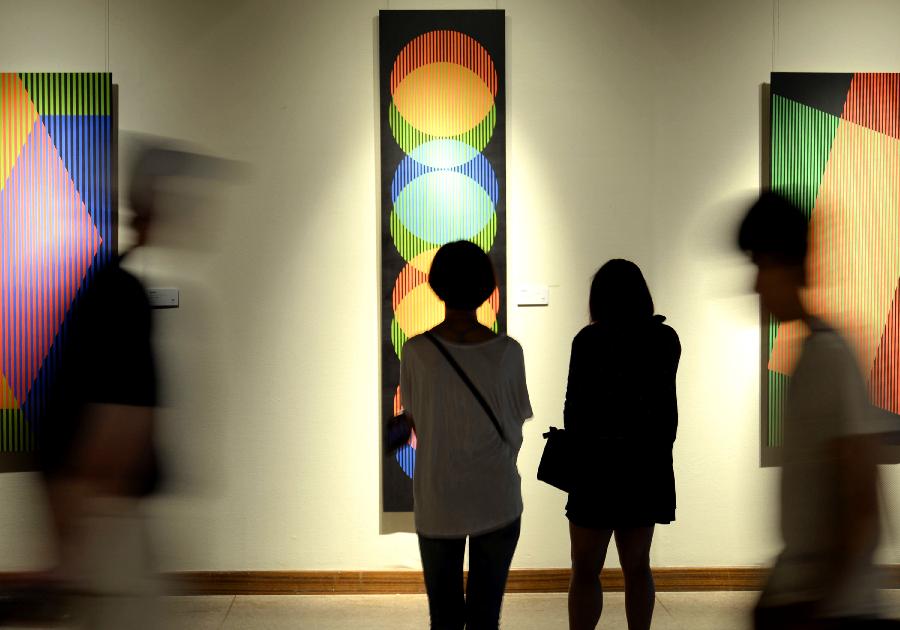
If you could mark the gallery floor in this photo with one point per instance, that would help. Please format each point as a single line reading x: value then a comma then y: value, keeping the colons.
x: 681, y: 611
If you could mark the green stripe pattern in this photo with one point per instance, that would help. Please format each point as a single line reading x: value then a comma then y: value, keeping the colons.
x: 398, y: 337
x: 801, y: 144
x: 69, y: 94
x: 409, y: 245
x: 16, y: 435
x: 408, y: 137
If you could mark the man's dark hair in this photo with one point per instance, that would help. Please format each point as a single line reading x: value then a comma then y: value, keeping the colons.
x: 462, y: 275
x: 775, y: 227
x: 620, y: 294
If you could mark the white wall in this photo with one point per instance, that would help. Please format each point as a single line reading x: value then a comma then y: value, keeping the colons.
x: 707, y: 160
x: 632, y: 125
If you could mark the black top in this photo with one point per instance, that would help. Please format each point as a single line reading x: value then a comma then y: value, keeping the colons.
x: 622, y: 413
x: 107, y: 357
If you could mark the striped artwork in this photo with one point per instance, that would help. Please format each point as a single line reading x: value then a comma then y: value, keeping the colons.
x: 836, y: 154
x: 443, y: 160
x: 57, y: 226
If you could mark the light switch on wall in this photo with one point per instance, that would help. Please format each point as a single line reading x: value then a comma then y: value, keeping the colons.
x: 163, y: 298
x: 533, y: 295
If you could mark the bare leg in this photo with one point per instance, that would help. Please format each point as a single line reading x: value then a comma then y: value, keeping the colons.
x: 585, y: 591
x: 640, y: 592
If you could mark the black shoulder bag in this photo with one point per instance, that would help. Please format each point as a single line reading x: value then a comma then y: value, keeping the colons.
x: 556, y: 460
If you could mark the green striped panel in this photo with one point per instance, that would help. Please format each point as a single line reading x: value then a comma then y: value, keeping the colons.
x: 16, y: 435
x: 408, y: 137
x: 69, y: 94
x: 409, y: 245
x: 399, y: 338
x: 801, y: 144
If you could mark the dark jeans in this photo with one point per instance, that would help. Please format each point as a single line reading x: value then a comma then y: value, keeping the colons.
x: 489, y: 558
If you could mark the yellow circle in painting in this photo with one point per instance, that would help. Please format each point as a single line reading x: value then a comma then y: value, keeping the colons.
x: 423, y: 261
x: 421, y: 309
x: 443, y: 99
x: 486, y: 314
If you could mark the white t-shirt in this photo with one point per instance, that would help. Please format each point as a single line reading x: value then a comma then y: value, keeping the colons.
x: 466, y: 480
x: 827, y: 400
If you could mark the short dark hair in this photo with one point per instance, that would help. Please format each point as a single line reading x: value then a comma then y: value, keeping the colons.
x: 462, y: 275
x: 619, y: 293
x: 773, y: 226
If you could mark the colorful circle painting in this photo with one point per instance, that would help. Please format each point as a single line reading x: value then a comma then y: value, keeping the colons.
x: 442, y: 114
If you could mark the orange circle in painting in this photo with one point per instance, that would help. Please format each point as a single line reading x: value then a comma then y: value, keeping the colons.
x: 487, y: 312
x: 443, y: 99
x: 417, y: 308
x: 450, y: 47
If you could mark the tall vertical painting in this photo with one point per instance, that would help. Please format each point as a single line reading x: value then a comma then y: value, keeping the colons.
x: 57, y: 227
x: 835, y: 152
x: 443, y: 179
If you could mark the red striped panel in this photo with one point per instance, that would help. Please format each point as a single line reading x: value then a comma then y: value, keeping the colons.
x: 884, y: 380
x: 874, y: 102
x: 449, y: 47
x: 48, y: 242
x: 408, y: 280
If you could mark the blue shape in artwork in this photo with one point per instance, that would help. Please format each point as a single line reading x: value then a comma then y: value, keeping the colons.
x: 444, y: 206
x: 406, y: 457
x: 84, y: 144
x: 444, y: 153
x: 478, y: 169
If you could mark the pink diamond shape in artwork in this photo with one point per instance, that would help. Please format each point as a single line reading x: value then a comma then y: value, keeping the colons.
x: 47, y: 244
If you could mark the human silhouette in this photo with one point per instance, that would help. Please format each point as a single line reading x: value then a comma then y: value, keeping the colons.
x: 824, y: 576
x: 466, y: 485
x: 621, y: 416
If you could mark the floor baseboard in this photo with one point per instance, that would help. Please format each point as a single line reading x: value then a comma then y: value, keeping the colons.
x: 410, y: 582
x: 669, y: 579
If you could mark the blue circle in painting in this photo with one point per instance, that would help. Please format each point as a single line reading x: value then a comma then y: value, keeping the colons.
x: 406, y: 457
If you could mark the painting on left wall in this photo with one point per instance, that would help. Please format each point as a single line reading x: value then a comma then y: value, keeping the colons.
x: 58, y: 226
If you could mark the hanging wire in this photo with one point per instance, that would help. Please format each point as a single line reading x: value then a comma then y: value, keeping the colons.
x: 776, y: 30
x: 107, y: 35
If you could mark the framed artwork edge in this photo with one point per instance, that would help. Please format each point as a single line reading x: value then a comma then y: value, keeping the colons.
x: 769, y: 456
x: 26, y: 461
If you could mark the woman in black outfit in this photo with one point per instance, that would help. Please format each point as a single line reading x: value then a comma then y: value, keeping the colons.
x: 621, y: 412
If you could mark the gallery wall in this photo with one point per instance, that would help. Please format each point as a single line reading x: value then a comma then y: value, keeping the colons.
x: 633, y: 131
x: 707, y: 162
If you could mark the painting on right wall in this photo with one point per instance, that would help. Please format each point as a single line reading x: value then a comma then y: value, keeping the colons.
x: 835, y: 153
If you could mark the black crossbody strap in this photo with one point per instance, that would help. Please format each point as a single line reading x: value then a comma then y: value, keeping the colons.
x: 465, y: 378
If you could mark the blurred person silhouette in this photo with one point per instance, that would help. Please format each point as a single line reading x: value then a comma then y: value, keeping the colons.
x: 824, y: 576
x: 97, y: 450
x: 621, y: 414
x: 466, y: 484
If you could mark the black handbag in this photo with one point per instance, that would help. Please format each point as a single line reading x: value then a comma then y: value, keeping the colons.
x: 397, y: 431
x: 556, y: 467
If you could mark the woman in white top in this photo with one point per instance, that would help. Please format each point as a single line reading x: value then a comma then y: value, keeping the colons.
x: 466, y: 483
